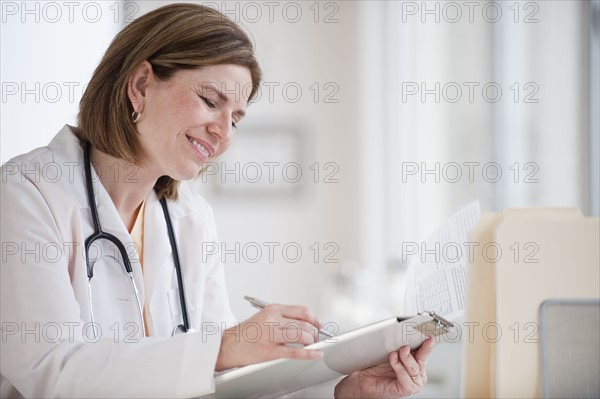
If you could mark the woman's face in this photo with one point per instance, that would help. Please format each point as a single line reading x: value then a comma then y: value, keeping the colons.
x: 189, y: 119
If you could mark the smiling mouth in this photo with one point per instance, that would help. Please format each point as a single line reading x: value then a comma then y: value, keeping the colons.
x: 199, y: 146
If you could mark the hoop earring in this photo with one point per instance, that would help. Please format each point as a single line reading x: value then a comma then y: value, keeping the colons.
x: 135, y: 116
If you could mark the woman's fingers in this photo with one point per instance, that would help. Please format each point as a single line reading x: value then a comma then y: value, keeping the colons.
x: 422, y: 354
x: 410, y: 372
x: 299, y: 313
x: 300, y: 353
x: 283, y: 324
x: 295, y: 332
x: 408, y: 385
x: 424, y: 351
x: 295, y: 323
x: 410, y: 364
x: 266, y: 334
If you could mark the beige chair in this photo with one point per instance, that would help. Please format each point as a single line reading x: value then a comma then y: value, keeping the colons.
x: 570, y: 348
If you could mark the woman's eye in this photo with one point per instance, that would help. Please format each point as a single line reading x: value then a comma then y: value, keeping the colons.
x: 234, y: 124
x: 208, y: 103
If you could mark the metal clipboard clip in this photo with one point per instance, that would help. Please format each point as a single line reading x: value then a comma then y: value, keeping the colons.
x: 435, y: 327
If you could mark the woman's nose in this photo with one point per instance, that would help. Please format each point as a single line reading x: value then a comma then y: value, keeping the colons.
x: 222, y: 127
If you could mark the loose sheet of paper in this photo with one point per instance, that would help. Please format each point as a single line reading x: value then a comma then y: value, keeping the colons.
x: 436, y: 274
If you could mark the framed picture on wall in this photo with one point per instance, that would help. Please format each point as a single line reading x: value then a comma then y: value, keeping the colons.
x: 264, y: 160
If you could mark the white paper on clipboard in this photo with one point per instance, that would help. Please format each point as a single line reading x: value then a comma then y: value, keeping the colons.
x: 437, y: 274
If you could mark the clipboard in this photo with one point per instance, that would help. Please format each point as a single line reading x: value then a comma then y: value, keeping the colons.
x: 344, y: 354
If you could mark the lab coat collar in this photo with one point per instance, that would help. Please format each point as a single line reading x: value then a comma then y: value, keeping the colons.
x: 68, y: 153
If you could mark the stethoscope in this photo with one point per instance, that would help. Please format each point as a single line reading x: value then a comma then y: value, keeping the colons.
x: 101, y: 235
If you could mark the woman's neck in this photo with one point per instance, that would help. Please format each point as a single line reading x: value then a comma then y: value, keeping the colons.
x: 127, y: 184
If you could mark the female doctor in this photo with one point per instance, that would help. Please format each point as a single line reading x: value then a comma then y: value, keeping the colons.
x: 102, y: 265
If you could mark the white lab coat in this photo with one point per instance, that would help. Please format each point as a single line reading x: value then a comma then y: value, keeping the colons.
x: 46, y: 346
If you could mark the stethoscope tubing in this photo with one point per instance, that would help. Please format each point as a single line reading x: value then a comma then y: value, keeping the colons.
x: 184, y: 313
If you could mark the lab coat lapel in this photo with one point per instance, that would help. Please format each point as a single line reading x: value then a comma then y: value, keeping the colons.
x: 159, y: 266
x: 157, y: 248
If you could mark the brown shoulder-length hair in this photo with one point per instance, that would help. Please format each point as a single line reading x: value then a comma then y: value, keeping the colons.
x: 171, y: 38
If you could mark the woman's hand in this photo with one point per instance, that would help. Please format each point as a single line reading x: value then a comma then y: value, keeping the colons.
x: 404, y: 375
x: 264, y: 337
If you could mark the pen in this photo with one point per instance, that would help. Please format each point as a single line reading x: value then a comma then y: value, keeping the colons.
x: 257, y: 303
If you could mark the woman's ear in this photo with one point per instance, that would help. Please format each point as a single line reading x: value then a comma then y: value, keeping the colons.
x: 137, y: 85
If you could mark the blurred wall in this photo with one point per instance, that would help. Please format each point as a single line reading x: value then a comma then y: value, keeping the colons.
x: 49, y: 51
